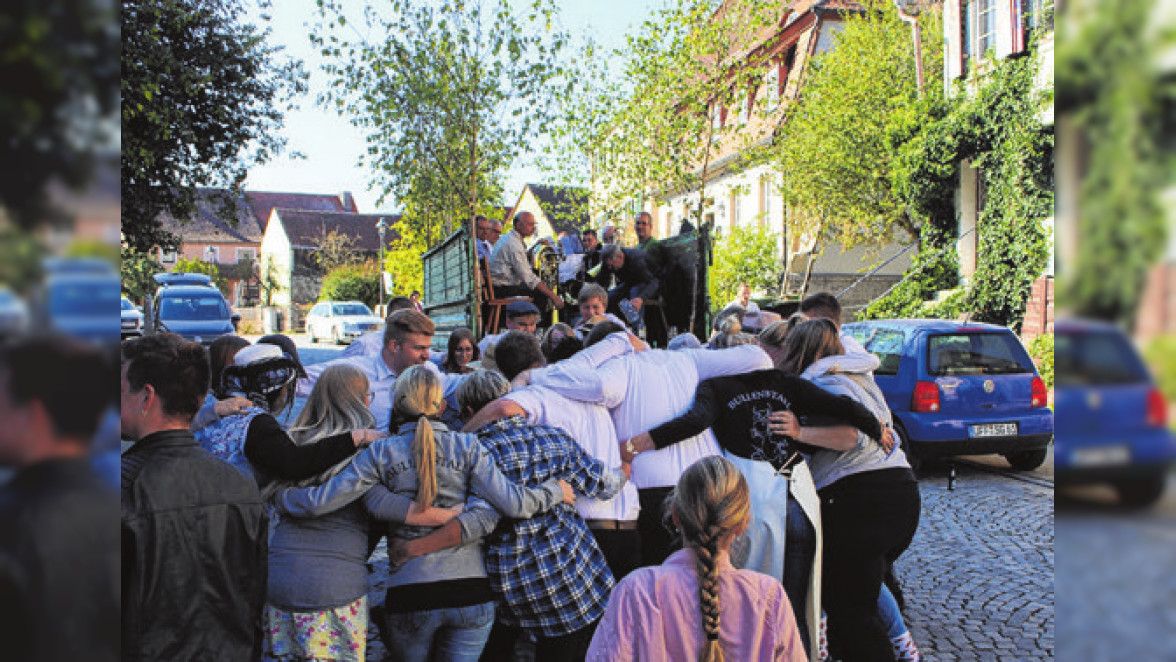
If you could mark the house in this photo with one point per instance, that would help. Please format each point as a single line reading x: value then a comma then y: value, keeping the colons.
x: 976, y: 32
x: 291, y: 237
x: 557, y: 209
x: 736, y: 196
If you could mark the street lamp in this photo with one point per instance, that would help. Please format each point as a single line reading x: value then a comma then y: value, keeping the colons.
x: 908, y: 11
x: 210, y: 252
x: 382, y: 227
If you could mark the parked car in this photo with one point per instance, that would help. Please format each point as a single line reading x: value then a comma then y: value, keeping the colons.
x: 1112, y: 419
x: 132, y: 319
x: 190, y: 305
x: 14, y: 314
x: 341, y: 321
x: 80, y: 298
x: 960, y: 389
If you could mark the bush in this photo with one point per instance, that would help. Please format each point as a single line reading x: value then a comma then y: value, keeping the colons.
x: 746, y: 255
x: 1160, y: 354
x: 1041, y: 348
x: 352, y: 282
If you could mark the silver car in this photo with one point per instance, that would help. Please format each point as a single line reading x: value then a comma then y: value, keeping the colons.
x: 14, y: 314
x: 132, y: 319
x: 341, y: 321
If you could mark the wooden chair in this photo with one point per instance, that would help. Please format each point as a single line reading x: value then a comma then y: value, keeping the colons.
x: 493, y: 314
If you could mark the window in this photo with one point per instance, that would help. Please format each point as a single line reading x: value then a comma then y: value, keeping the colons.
x: 975, y: 354
x: 772, y: 87
x: 766, y: 200
x: 168, y: 257
x: 886, y: 344
x: 1035, y: 15
x: 736, y: 209
x: 744, y: 112
x: 717, y: 116
x: 246, y: 254
x: 212, y: 254
x: 979, y: 28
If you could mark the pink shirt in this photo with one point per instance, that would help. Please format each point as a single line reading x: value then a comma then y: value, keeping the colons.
x: 653, y: 615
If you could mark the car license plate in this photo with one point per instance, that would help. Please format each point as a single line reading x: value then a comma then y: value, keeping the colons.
x: 993, y: 430
x: 1102, y: 456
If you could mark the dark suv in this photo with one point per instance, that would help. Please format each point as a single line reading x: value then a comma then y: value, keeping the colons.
x: 189, y: 304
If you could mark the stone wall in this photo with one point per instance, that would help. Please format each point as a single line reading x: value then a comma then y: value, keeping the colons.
x: 1157, y: 306
x: 1039, y: 310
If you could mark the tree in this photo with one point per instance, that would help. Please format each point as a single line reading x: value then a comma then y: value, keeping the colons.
x: 352, y: 282
x: 449, y: 93
x: 58, y: 61
x: 212, y: 270
x: 137, y: 271
x: 202, y: 98
x: 653, y: 132
x: 841, y: 139
x: 746, y: 255
x: 20, y: 259
x: 403, y: 261
x: 334, y: 249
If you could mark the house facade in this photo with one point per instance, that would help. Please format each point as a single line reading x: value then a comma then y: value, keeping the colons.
x: 293, y: 235
x: 557, y: 209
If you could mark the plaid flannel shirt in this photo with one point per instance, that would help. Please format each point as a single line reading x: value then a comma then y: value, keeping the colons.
x: 547, y: 572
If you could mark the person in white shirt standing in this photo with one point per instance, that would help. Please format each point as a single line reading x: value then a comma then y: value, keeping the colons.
x: 645, y: 389
x: 509, y: 270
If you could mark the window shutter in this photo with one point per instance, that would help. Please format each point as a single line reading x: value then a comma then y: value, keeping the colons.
x: 1005, y: 28
x: 953, y: 56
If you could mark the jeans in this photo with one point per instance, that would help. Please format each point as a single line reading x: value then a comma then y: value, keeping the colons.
x: 453, y: 634
x: 800, y: 548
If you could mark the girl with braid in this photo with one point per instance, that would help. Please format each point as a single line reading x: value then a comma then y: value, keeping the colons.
x: 696, y: 605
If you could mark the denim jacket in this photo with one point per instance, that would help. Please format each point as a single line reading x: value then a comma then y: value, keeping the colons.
x: 463, y: 466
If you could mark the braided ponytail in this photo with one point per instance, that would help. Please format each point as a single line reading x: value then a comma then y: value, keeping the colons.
x: 710, y: 504
x: 418, y: 393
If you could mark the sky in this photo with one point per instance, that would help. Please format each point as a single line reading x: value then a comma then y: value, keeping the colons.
x: 332, y: 145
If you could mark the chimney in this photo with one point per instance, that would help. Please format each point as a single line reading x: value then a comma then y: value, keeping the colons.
x: 347, y: 202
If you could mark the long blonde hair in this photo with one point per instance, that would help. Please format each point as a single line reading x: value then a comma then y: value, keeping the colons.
x: 335, y: 405
x: 419, y: 393
x: 710, y: 505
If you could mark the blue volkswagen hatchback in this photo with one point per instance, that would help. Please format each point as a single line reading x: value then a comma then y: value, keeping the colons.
x: 1112, y: 419
x: 960, y: 389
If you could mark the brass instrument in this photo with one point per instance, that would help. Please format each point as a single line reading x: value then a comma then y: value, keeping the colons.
x: 545, y: 263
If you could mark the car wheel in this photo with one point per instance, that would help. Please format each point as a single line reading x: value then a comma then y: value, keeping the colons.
x: 1027, y: 460
x: 1141, y: 492
x: 336, y: 337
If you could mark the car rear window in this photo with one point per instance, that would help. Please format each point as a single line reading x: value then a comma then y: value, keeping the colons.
x: 1097, y: 357
x: 194, y: 307
x: 974, y: 354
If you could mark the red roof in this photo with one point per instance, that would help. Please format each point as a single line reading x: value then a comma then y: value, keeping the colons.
x: 264, y: 202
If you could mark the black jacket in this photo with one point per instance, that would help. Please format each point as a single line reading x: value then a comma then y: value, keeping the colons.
x: 194, y: 554
x: 634, y: 273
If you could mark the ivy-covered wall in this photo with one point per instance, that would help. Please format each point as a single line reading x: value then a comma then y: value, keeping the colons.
x: 997, y: 128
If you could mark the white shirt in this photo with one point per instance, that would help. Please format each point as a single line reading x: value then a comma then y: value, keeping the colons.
x: 752, y: 308
x: 508, y: 262
x: 372, y: 342
x: 382, y: 384
x: 646, y: 389
x: 851, y: 345
x: 491, y: 339
x: 592, y: 427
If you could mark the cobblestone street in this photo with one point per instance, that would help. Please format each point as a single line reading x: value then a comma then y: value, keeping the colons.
x: 979, y: 576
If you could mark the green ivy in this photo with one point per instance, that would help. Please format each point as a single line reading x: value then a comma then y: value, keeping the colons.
x: 997, y: 128
x: 1041, y: 349
x: 352, y: 282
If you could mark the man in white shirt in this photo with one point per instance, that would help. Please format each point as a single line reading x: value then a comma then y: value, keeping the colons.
x: 645, y: 389
x: 407, y: 337
x: 613, y: 522
x: 509, y: 270
x: 743, y: 299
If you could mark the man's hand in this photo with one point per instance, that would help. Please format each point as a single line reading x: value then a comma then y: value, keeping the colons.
x: 636, y: 301
x: 785, y: 423
x: 569, y: 494
x: 231, y: 405
x: 627, y: 469
x: 558, y: 302
x: 362, y: 438
x: 634, y: 445
x: 399, y: 552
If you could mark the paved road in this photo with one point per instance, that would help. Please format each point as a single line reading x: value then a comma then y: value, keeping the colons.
x: 979, y: 576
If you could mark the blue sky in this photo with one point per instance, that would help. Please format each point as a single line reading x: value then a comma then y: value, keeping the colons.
x: 332, y: 146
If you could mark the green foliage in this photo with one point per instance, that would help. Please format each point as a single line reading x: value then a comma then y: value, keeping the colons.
x: 352, y: 282
x: 93, y: 248
x: 1111, y: 91
x: 59, y: 62
x: 449, y: 95
x: 1160, y: 354
x: 20, y: 259
x: 746, y: 255
x: 334, y: 249
x: 202, y: 101
x: 1041, y: 349
x: 269, y: 282
x: 136, y: 270
x: 845, y: 137
x: 934, y: 268
x: 192, y: 266
x: 403, y: 261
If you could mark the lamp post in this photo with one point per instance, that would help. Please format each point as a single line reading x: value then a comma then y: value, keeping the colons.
x: 908, y: 11
x: 382, y: 227
x: 209, y: 252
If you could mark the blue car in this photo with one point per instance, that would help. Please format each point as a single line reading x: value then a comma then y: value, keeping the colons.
x: 1112, y: 419
x: 960, y: 389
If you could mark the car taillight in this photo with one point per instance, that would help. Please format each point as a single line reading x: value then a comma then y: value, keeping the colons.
x: 1157, y: 409
x: 1039, y: 397
x: 925, y: 398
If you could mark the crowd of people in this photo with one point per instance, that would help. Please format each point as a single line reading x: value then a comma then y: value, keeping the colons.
x: 739, y: 497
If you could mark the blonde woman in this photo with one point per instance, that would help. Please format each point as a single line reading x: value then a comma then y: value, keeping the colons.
x: 696, y: 605
x: 439, y: 605
x: 316, y: 602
